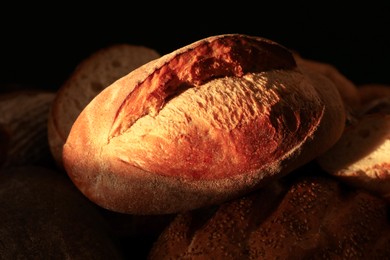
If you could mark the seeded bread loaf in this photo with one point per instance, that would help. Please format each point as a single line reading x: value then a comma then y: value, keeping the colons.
x: 306, y: 217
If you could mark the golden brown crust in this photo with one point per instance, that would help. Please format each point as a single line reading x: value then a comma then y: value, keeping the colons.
x: 160, y: 142
x: 361, y: 156
x: 205, y: 60
x: 89, y: 78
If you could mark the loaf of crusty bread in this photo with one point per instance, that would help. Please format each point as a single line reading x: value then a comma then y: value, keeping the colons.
x: 361, y: 156
x: 90, y: 77
x: 23, y: 127
x: 372, y: 92
x: 206, y: 123
x: 43, y: 216
x: 348, y: 90
x: 306, y: 217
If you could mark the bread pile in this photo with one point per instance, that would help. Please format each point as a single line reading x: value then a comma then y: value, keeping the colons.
x: 231, y: 147
x: 44, y: 216
x: 309, y: 216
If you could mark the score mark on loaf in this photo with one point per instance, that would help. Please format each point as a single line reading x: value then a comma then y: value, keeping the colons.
x: 204, y: 124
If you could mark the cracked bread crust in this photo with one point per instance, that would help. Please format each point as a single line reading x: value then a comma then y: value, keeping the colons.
x: 164, y: 139
x: 307, y: 217
x: 89, y: 78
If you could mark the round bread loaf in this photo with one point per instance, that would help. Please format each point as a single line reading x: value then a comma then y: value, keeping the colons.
x: 43, y: 216
x: 206, y: 123
x: 90, y: 77
x: 306, y: 217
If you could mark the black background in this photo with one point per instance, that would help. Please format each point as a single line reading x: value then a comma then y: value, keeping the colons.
x: 40, y: 46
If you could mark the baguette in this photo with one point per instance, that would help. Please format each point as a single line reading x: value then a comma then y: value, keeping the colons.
x: 90, y: 77
x: 206, y: 123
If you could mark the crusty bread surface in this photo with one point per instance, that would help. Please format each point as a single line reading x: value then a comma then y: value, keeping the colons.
x: 306, y: 217
x: 361, y: 156
x: 206, y: 123
x: 89, y: 78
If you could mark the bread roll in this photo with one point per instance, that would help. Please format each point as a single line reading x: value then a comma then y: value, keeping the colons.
x: 206, y: 123
x: 361, y: 157
x: 307, y: 217
x: 43, y: 216
x: 23, y: 127
x: 90, y: 77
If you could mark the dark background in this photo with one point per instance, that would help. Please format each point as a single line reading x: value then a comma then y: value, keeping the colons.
x: 40, y: 46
